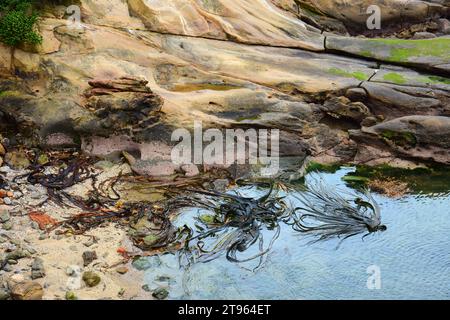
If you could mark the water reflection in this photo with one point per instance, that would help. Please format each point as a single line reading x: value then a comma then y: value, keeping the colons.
x: 413, y: 256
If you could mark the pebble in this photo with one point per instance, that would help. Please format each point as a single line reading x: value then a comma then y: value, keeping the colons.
x: 37, y: 269
x: 160, y: 293
x: 4, y: 216
x: 5, y: 169
x: 89, y: 243
x: 43, y: 236
x: 8, y: 268
x: 7, y: 225
x: 423, y: 35
x: 4, y: 295
x: 88, y: 257
x: 122, y: 270
x: 70, y: 295
x: 444, y: 26
x: 73, y: 270
x: 7, y: 201
x: 91, y: 278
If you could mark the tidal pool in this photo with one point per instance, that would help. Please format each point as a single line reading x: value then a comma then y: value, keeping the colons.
x: 412, y: 256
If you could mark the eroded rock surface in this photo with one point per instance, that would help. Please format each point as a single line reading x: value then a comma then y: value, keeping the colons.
x: 134, y: 71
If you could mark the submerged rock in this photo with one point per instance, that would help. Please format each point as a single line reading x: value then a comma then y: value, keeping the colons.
x: 160, y: 293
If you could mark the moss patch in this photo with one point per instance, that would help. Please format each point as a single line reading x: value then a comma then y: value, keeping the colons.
x: 434, y: 80
x: 319, y: 167
x: 403, y: 50
x: 402, y: 139
x: 207, y: 218
x: 394, y: 77
x: 359, y: 75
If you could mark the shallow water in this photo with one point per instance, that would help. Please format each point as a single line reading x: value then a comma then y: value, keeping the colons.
x: 413, y: 257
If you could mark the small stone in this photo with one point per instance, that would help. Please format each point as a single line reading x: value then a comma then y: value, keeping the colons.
x: 89, y: 243
x: 34, y: 225
x: 423, y: 35
x: 122, y: 270
x: 146, y: 288
x: 4, y: 216
x: 221, y: 184
x: 8, y: 268
x: 444, y: 26
x: 190, y: 170
x: 356, y: 94
x: 4, y: 295
x: 43, y: 159
x: 88, y: 257
x: 73, y: 271
x: 7, y: 201
x: 12, y: 262
x: 17, y: 160
x: 31, y: 250
x: 27, y: 291
x: 91, y: 278
x: 7, y: 226
x: 70, y: 295
x: 37, y: 269
x: 369, y: 122
x: 17, y: 254
x: 43, y: 236
x: 160, y: 294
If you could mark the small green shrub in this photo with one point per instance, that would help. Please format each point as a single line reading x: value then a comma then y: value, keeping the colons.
x: 17, y: 23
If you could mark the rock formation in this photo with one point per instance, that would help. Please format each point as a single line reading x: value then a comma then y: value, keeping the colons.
x: 135, y: 70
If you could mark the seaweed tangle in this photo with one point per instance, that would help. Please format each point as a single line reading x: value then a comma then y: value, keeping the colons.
x: 237, y: 225
x: 75, y: 172
x: 325, y: 214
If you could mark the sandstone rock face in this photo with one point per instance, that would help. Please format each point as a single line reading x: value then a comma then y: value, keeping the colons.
x: 255, y: 22
x: 355, y: 11
x: 421, y: 137
x: 124, y: 104
x: 232, y: 63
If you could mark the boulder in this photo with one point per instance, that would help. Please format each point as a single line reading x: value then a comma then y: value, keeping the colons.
x: 28, y: 290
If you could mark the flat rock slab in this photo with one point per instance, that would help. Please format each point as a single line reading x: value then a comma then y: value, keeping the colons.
x: 432, y: 54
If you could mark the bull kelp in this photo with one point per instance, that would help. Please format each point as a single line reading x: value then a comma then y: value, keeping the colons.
x: 298, y: 268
